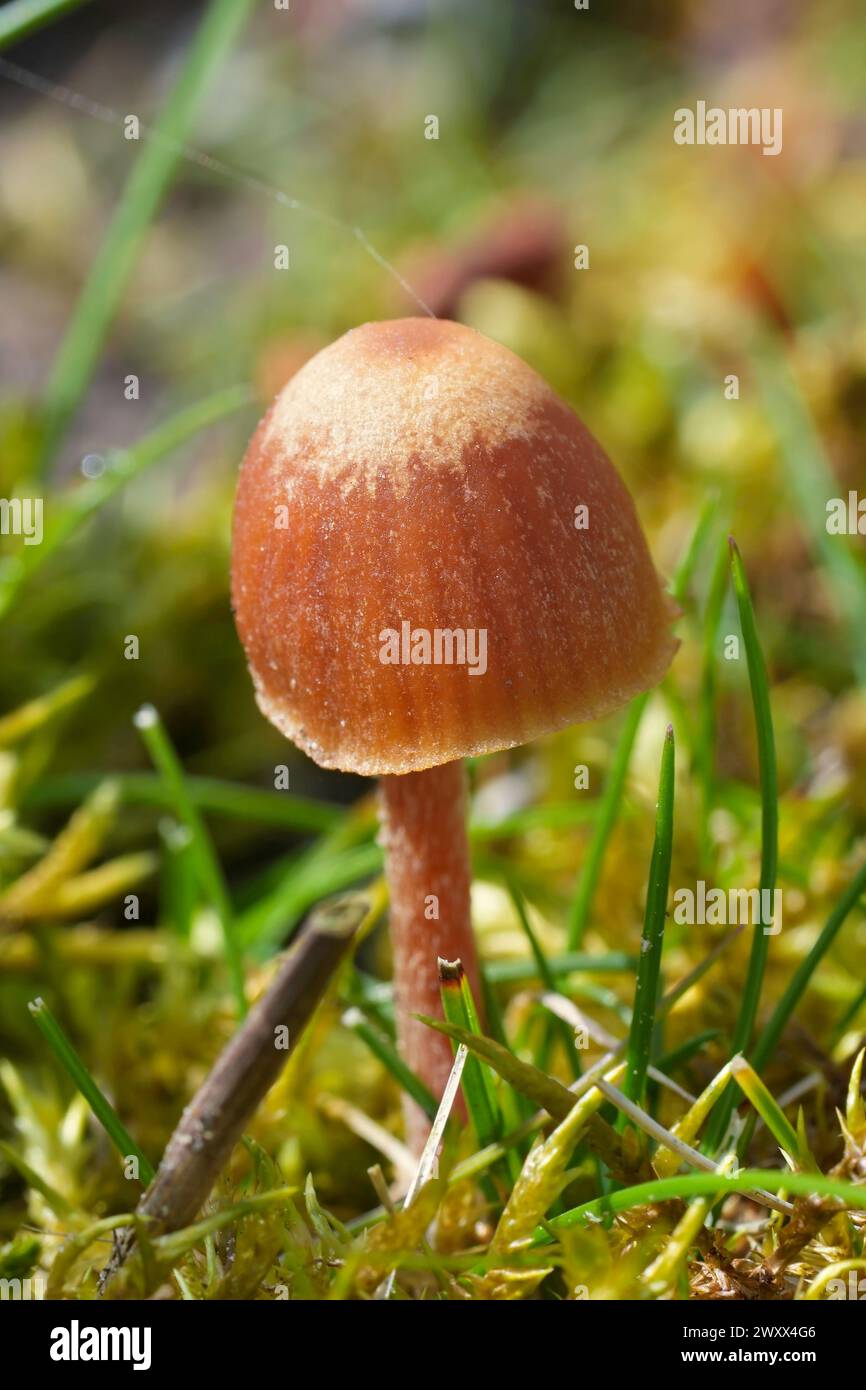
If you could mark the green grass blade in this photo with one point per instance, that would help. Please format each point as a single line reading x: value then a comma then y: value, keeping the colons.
x: 769, y: 797
x: 687, y: 1185
x: 56, y: 1201
x: 551, y: 815
x: 23, y: 17
x: 607, y: 816
x: 543, y: 1090
x: 274, y: 808
x: 669, y: 1141
x: 320, y: 872
x: 474, y: 1024
x: 35, y: 714
x: 208, y: 870
x: 73, y: 849
x: 770, y: 1111
x: 849, y: 1015
x: 669, y: 1265
x: 179, y: 889
x: 545, y: 974
x: 652, y: 940
x: 542, y: 1178
x: 744, y: 1027
x: 828, y: 1274
x: 706, y: 524
x: 485, y: 1120
x: 705, y: 745
x: 812, y: 482
x: 678, y: 1056
x: 666, y: 1161
x: 855, y: 1111
x: 515, y: 972
x: 798, y: 983
x: 99, y: 1104
x: 509, y: 1147
x: 375, y: 998
x: 383, y: 1049
x: 766, y: 742
x: 141, y: 198
x: 122, y: 466
x: 211, y: 794
x: 611, y: 799
x: 513, y: 1107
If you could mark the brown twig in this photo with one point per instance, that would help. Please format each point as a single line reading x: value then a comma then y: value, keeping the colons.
x: 246, y: 1069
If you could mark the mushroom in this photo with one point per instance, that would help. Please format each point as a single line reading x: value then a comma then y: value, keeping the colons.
x: 433, y: 558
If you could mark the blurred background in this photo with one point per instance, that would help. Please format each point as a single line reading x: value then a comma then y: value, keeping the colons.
x: 555, y: 131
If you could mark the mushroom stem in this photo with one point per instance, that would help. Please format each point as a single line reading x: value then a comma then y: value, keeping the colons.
x: 424, y: 821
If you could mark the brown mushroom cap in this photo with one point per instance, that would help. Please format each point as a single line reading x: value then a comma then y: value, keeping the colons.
x: 417, y: 472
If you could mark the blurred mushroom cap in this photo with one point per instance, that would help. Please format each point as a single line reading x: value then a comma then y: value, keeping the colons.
x: 432, y: 557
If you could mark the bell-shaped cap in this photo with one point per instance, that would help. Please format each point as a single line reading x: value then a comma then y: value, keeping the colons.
x: 433, y: 557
